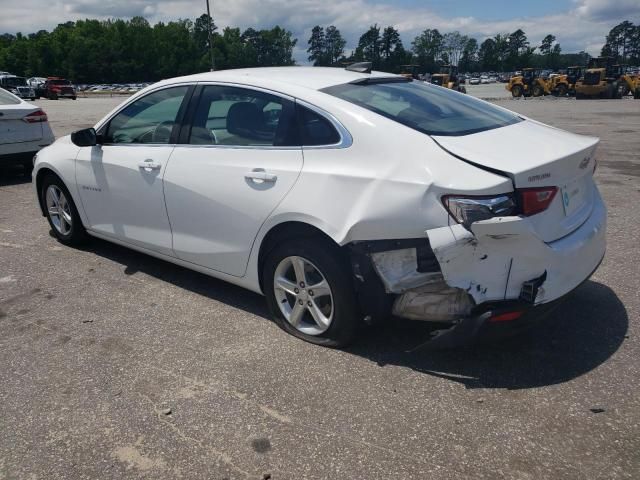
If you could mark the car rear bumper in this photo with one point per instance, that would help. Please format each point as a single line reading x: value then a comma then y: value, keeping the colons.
x: 501, y: 257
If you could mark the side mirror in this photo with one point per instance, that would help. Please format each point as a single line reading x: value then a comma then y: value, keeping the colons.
x: 85, y: 138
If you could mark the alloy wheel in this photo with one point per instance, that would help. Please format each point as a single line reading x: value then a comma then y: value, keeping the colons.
x: 59, y: 210
x: 303, y: 295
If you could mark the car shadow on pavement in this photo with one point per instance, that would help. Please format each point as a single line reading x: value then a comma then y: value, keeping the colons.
x: 581, y: 334
x: 577, y: 337
x: 13, y: 176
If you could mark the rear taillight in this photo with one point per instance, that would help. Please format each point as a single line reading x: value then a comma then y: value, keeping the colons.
x: 469, y: 209
x: 35, y: 117
x: 536, y: 200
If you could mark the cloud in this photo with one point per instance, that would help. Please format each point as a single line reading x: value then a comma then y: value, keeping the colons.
x: 112, y: 8
x: 582, y: 27
x: 607, y: 10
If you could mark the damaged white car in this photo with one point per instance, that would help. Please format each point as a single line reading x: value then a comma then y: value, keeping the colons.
x: 342, y: 195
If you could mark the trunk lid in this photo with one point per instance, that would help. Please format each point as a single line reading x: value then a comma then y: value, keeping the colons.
x: 536, y: 155
x: 15, y: 130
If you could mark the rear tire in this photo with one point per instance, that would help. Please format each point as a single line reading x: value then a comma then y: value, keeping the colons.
x: 537, y: 91
x: 66, y: 223
x: 312, y: 256
x: 562, y: 90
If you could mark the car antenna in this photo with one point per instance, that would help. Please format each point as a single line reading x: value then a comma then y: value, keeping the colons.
x: 360, y: 67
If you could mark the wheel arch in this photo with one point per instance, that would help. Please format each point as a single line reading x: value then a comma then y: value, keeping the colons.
x: 39, y: 179
x: 287, y: 230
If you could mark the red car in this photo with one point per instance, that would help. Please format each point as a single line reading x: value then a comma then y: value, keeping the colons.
x: 56, y: 87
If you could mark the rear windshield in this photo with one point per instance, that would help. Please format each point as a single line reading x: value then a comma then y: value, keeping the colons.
x: 427, y: 108
x: 7, y: 99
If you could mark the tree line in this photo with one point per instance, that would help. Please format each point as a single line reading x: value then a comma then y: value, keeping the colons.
x: 116, y: 51
x: 431, y: 49
x: 113, y: 51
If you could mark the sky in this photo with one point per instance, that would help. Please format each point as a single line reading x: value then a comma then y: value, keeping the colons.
x: 577, y: 24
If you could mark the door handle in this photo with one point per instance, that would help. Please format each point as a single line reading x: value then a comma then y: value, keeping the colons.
x: 261, y: 175
x: 149, y: 165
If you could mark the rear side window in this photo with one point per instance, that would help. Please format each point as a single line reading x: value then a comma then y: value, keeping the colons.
x: 427, y: 108
x: 242, y: 117
x: 316, y: 129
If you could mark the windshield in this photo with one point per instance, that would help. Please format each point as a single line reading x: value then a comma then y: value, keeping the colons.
x: 427, y: 108
x: 14, y: 81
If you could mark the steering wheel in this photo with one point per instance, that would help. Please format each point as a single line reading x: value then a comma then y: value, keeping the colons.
x: 162, y: 132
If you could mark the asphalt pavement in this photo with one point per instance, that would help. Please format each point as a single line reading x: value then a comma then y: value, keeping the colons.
x: 119, y: 365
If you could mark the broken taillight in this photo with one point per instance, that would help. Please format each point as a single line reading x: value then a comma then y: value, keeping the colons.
x: 35, y: 117
x: 536, y: 200
x: 469, y: 209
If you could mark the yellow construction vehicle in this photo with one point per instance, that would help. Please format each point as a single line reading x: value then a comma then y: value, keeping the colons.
x: 565, y: 84
x: 601, y: 79
x: 629, y: 83
x: 530, y: 83
x: 448, y: 77
x: 410, y: 71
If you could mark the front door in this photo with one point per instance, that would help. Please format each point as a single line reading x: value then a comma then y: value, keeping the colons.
x: 120, y: 180
x: 240, y: 161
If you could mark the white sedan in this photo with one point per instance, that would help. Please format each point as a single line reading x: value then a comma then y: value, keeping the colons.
x: 343, y: 195
x: 24, y: 129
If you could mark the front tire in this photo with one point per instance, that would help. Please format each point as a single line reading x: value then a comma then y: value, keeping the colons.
x: 537, y: 91
x: 61, y: 212
x: 310, y: 293
x: 516, y: 91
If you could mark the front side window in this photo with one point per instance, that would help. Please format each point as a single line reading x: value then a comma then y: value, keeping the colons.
x: 426, y: 108
x: 241, y: 117
x: 150, y: 119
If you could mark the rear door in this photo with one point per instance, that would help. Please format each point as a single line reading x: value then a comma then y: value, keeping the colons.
x: 235, y: 163
x: 13, y: 126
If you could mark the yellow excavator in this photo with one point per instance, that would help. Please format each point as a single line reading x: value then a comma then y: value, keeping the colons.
x: 530, y: 83
x: 601, y: 79
x: 448, y: 77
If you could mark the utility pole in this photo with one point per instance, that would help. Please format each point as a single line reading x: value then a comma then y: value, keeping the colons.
x: 209, y: 26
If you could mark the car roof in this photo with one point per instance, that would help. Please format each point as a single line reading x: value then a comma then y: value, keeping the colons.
x: 314, y: 78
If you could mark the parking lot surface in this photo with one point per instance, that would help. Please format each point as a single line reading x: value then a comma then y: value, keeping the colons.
x: 119, y: 365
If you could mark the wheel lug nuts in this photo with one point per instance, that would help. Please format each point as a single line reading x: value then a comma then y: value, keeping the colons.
x: 301, y: 284
x: 309, y: 304
x: 311, y: 293
x: 296, y: 290
x: 300, y: 302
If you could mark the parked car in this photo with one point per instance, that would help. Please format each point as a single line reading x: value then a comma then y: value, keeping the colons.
x: 56, y: 87
x: 484, y: 79
x: 24, y: 130
x: 18, y: 86
x: 474, y: 81
x: 341, y: 195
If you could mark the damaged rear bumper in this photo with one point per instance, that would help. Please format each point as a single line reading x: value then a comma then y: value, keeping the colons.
x: 474, y: 280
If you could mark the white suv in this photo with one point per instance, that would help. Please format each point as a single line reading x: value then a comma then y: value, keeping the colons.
x: 341, y: 195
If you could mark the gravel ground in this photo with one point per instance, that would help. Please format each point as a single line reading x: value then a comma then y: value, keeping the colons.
x: 118, y: 365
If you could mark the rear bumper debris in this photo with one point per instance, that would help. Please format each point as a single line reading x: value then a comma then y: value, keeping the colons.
x: 497, y: 277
